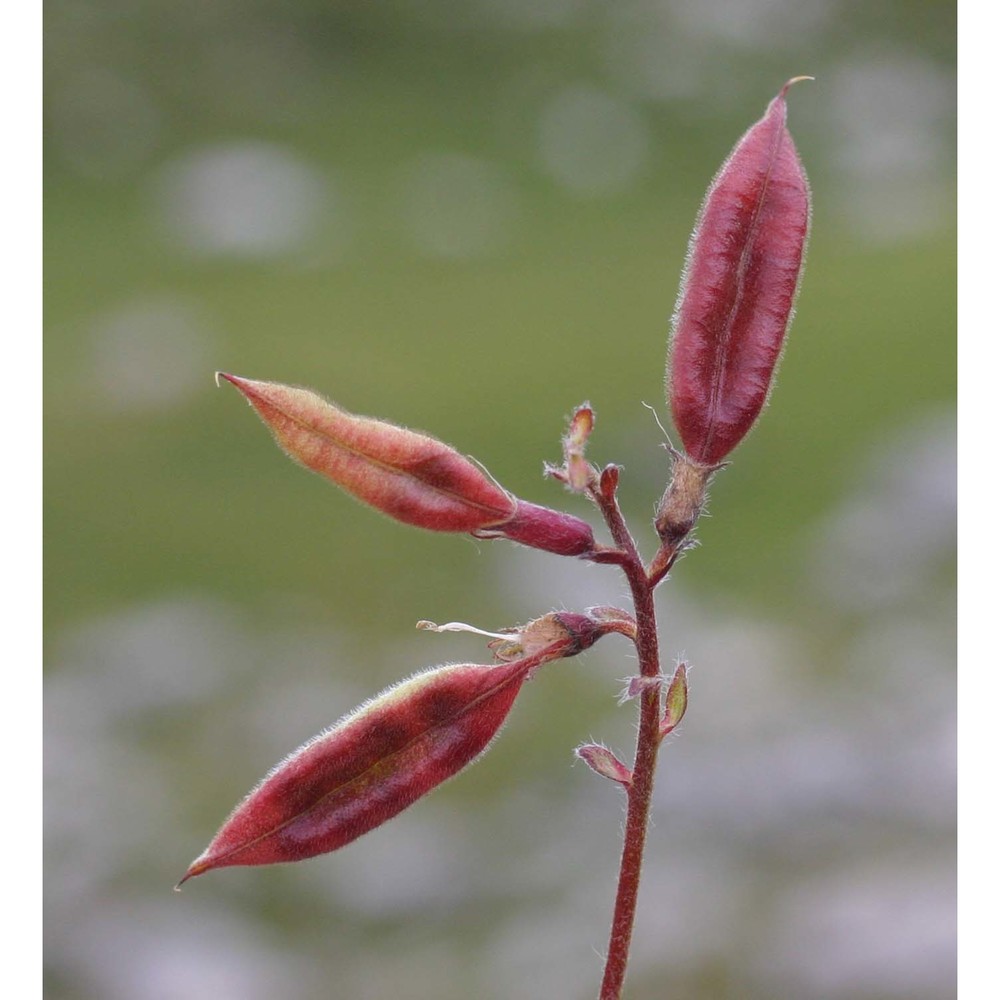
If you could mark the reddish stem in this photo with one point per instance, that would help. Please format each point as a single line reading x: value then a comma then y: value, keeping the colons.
x: 640, y: 790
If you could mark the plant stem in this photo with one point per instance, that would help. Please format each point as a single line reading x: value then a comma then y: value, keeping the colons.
x: 640, y: 790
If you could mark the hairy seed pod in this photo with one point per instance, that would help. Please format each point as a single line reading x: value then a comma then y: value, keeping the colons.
x: 371, y: 765
x: 738, y: 289
x: 409, y: 476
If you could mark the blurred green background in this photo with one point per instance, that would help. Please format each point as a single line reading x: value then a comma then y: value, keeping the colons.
x: 468, y: 217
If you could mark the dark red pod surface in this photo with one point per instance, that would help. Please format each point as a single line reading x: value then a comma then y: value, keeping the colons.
x: 738, y: 289
x: 369, y: 766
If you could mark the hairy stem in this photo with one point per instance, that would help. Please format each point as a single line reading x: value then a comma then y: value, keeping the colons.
x: 640, y: 790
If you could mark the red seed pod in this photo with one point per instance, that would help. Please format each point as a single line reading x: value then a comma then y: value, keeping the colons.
x: 409, y: 476
x: 369, y: 766
x: 738, y: 289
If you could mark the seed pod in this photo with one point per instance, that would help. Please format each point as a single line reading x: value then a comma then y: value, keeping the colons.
x: 369, y: 766
x: 738, y: 289
x: 409, y: 476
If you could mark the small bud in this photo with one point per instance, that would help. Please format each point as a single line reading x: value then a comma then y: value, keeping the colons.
x: 676, y: 701
x: 602, y: 761
x: 579, y: 473
x: 369, y: 766
x: 581, y: 426
x: 542, y: 528
x: 738, y: 289
x: 609, y: 481
x: 409, y: 476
